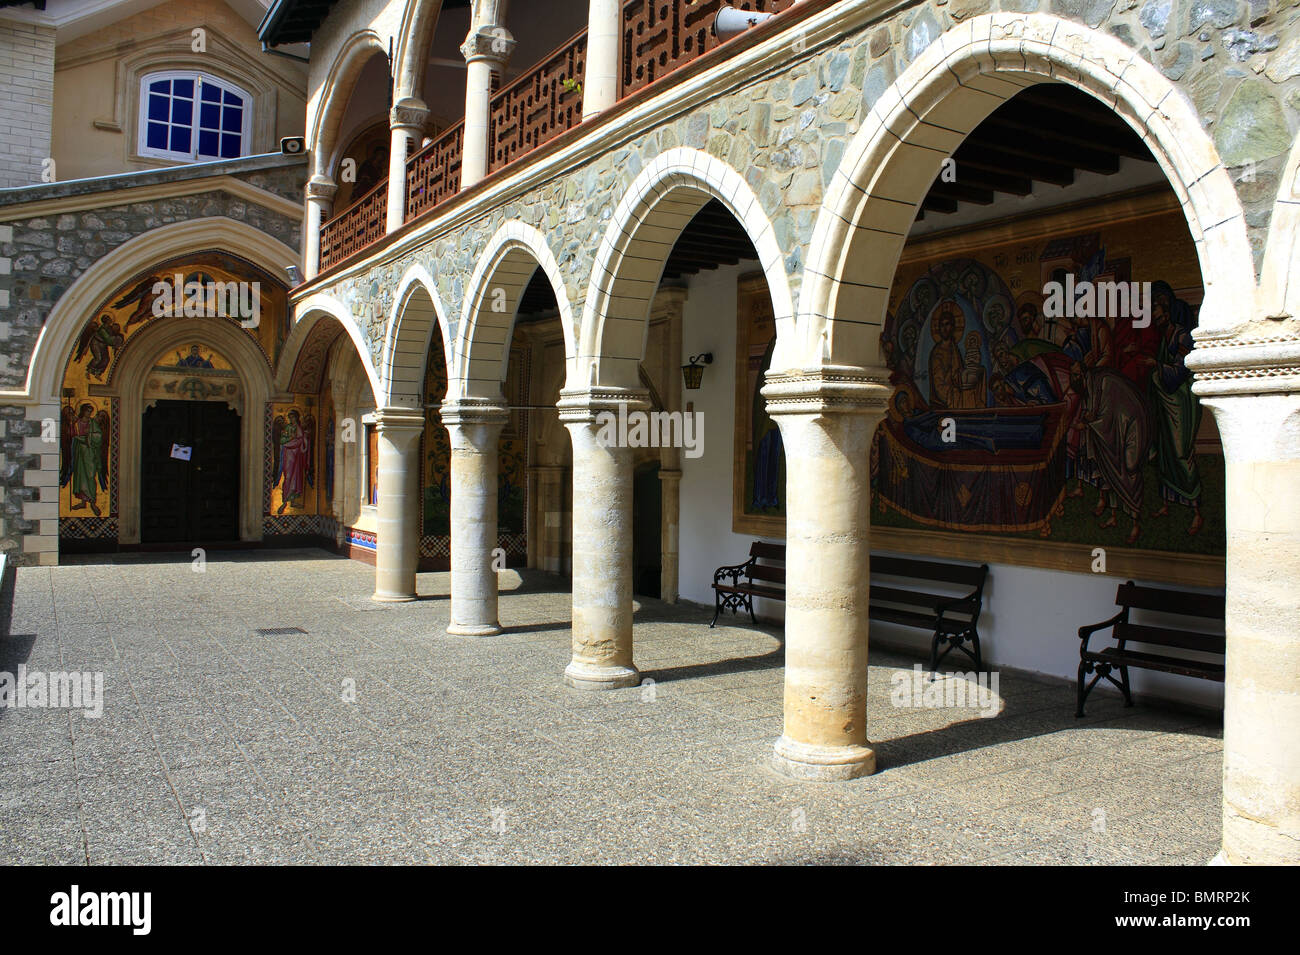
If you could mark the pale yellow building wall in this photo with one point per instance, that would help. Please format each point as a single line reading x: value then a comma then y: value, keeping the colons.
x: 97, y: 83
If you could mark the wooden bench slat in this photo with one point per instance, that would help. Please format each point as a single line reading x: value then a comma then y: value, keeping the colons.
x: 756, y: 590
x: 914, y: 598
x: 911, y: 618
x: 1165, y: 637
x: 767, y: 572
x: 765, y: 551
x: 1156, y: 661
x: 928, y: 570
x: 1178, y: 602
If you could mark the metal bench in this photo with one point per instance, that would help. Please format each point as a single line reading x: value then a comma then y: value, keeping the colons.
x: 1129, y: 597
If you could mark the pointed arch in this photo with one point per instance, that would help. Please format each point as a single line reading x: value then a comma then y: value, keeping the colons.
x: 629, y: 263
x: 309, y: 314
x: 418, y: 313
x: 68, y: 315
x: 326, y: 110
x: 482, y: 345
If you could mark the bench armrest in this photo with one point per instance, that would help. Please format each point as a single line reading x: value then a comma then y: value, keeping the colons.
x: 1088, y: 631
x: 954, y: 603
x: 735, y: 572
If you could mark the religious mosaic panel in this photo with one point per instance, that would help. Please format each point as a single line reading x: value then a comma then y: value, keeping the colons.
x: 1042, y: 408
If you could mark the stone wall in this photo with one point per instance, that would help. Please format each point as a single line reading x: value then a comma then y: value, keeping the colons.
x: 49, y: 252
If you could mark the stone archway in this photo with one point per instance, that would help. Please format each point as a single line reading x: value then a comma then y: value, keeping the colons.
x: 129, y: 380
x: 831, y: 392
x: 326, y: 120
x: 482, y: 346
x: 658, y: 205
x: 921, y: 119
x: 418, y: 314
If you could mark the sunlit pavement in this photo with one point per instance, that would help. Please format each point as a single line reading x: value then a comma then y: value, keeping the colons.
x: 376, y: 737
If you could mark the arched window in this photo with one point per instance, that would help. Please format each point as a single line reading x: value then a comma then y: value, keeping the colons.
x: 192, y: 116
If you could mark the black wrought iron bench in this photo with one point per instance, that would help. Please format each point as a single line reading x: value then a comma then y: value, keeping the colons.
x: 1120, y: 657
x: 739, y: 594
x: 952, y: 620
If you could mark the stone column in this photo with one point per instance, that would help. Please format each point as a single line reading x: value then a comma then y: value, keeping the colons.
x: 320, y: 192
x: 827, y: 416
x: 670, y: 487
x: 1252, y: 384
x: 397, y: 546
x: 486, y: 51
x: 600, y: 85
x: 475, y: 429
x: 406, y: 122
x: 602, y: 537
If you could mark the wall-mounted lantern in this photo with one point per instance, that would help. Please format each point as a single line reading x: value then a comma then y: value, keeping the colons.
x: 693, y: 374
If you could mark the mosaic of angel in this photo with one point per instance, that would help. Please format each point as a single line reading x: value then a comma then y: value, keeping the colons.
x: 293, y: 439
x: 85, y: 440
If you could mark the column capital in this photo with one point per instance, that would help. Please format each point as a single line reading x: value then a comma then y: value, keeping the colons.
x: 408, y: 114
x: 491, y: 43
x: 829, y: 389
x: 474, y: 411
x: 581, y: 406
x: 395, y: 421
x: 321, y: 187
x: 1261, y: 358
x: 670, y: 475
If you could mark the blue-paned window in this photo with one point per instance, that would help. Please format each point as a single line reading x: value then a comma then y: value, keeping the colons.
x: 190, y: 116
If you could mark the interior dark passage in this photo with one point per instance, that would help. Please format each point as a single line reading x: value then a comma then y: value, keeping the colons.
x: 647, y: 535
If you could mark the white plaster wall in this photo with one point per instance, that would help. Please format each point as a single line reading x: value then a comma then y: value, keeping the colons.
x: 1031, y: 616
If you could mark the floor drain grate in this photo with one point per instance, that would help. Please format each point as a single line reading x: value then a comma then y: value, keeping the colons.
x: 278, y: 631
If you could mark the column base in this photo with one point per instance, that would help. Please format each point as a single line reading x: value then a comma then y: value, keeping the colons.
x: 822, y: 763
x: 584, y: 676
x: 387, y: 598
x: 473, y: 629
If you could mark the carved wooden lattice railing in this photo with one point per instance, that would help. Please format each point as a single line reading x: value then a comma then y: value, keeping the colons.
x: 660, y: 36
x: 355, y: 228
x: 433, y: 174
x: 538, y: 106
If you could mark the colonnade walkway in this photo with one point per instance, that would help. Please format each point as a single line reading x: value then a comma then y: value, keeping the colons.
x: 219, y: 744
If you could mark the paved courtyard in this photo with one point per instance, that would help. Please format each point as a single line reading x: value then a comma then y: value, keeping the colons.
x: 218, y: 744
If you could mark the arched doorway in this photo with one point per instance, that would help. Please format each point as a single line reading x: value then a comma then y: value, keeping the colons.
x: 168, y: 384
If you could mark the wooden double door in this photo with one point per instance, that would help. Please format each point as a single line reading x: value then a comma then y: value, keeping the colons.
x: 195, y: 500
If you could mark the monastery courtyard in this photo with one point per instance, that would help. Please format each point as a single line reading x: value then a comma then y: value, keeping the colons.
x: 218, y: 744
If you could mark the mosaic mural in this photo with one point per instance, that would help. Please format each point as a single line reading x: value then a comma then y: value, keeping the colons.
x: 1021, y: 407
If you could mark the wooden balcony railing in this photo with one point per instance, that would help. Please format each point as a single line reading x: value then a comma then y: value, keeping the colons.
x: 433, y: 174
x: 355, y: 228
x: 659, y: 36
x: 538, y: 106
